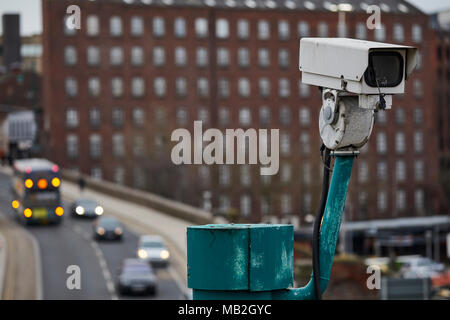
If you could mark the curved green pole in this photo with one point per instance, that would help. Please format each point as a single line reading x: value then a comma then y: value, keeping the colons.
x: 329, y: 231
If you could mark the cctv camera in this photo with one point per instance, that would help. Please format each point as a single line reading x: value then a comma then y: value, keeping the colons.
x: 357, y: 78
x: 356, y: 66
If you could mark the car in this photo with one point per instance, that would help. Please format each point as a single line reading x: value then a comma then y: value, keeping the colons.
x: 85, y: 207
x: 421, y: 267
x: 152, y: 249
x: 136, y: 277
x: 107, y: 228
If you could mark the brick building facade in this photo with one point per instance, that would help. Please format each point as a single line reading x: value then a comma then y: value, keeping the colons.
x: 136, y: 70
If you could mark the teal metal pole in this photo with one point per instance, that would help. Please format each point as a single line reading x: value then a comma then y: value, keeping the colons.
x: 329, y: 232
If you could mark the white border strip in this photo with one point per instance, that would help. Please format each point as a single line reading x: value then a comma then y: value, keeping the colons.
x: 3, y: 253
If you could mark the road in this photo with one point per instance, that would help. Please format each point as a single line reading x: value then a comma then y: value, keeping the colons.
x: 71, y: 243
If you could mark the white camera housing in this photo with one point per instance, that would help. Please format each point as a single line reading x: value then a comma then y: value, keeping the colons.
x: 346, y: 65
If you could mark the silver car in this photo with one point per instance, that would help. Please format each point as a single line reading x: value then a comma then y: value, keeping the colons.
x: 151, y: 248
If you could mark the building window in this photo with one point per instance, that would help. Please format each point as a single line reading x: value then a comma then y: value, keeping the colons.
x: 179, y: 26
x: 382, y: 200
x: 182, y: 116
x: 305, y: 143
x: 380, y: 33
x: 263, y: 57
x: 118, y: 118
x: 382, y: 172
x: 322, y: 29
x: 400, y: 170
x: 419, y: 199
x: 71, y: 118
x: 399, y: 34
x: 94, y: 86
x: 342, y: 30
x: 243, y: 29
x: 138, y: 117
x: 283, y: 58
x: 71, y: 87
x: 223, y: 57
x: 181, y: 86
x: 202, y: 57
x: 246, y: 177
x: 400, y: 115
x: 115, y: 26
x: 92, y: 26
x: 116, y: 87
x: 400, y: 199
x: 244, y: 87
x: 264, y: 87
x: 362, y: 198
x: 303, y: 89
x: 96, y: 173
x: 136, y: 26
x: 416, y: 33
x: 201, y: 27
x: 224, y: 175
x: 158, y: 27
x: 363, y: 172
x: 283, y: 30
x: 286, y: 206
x: 118, y: 145
x: 139, y: 178
x: 263, y: 30
x: 285, y: 144
x: 243, y: 57
x: 224, y: 204
x: 381, y: 117
x: 381, y: 143
x: 307, y: 203
x: 95, y: 146
x: 245, y: 117
x: 94, y: 117
x: 137, y: 56
x: 93, y: 56
x: 180, y: 56
x: 264, y: 116
x: 159, y: 56
x: 202, y: 87
x: 285, y: 115
x: 286, y: 173
x: 115, y: 56
x: 303, y: 29
x: 70, y: 55
x: 203, y: 115
x: 246, y: 205
x: 418, y: 142
x: 137, y: 87
x: 159, y: 86
x: 419, y: 61
x: 361, y: 31
x: 68, y: 31
x: 224, y: 88
x: 119, y: 175
x: 284, y: 90
x: 222, y: 28
x: 400, y: 142
x: 224, y: 116
x: 304, y: 116
x: 138, y: 146
x: 419, y: 170
x: 160, y: 115
x: 306, y: 173
x: 417, y: 88
x: 72, y: 146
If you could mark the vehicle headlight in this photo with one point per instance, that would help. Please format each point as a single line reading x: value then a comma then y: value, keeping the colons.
x: 79, y: 210
x: 142, y: 254
x: 118, y: 230
x: 164, y: 254
x: 98, y: 210
x: 100, y: 231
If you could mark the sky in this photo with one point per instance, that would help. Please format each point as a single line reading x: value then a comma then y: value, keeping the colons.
x: 31, y: 15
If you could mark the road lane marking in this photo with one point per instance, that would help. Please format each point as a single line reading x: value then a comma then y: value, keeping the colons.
x: 101, y: 260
